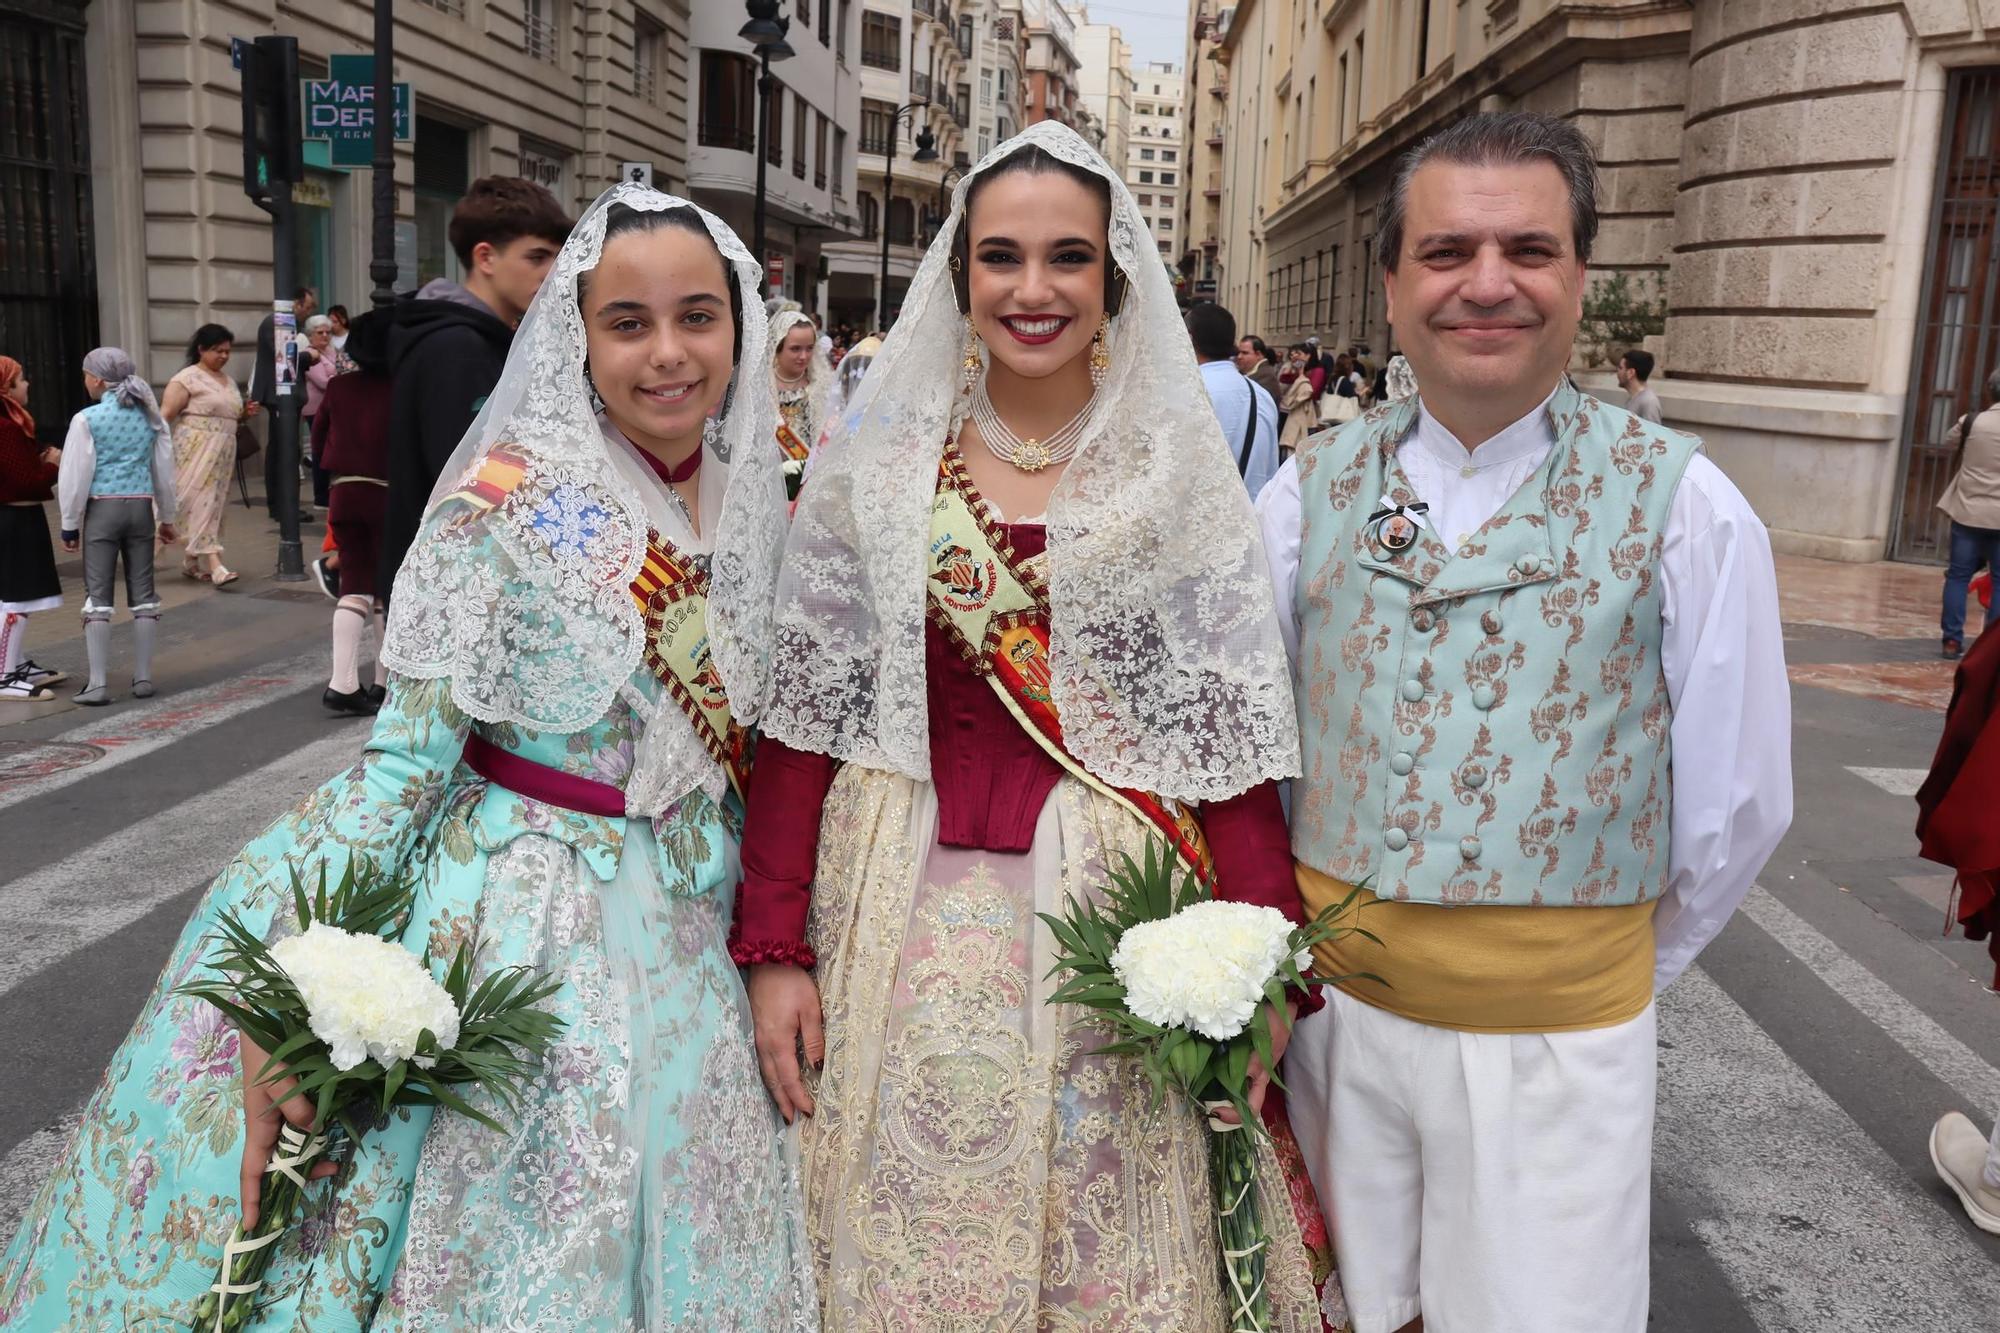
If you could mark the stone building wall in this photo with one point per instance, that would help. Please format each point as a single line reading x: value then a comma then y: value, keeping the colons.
x: 181, y: 245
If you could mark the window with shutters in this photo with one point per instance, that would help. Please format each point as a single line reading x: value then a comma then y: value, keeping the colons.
x: 799, y: 112
x: 648, y: 57
x: 839, y: 163
x: 878, y: 127
x: 881, y: 40
x: 819, y: 150
x: 728, y: 117
x: 774, y: 126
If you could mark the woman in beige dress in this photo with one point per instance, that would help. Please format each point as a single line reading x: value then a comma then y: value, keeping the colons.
x: 203, y: 405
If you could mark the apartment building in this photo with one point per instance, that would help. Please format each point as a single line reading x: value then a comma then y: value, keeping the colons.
x: 1104, y: 87
x: 915, y: 95
x: 809, y: 153
x: 1053, y: 66
x: 1795, y: 218
x: 1156, y: 160
x: 129, y: 198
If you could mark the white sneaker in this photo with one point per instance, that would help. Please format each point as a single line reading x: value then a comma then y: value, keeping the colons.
x: 1958, y: 1151
x: 17, y: 688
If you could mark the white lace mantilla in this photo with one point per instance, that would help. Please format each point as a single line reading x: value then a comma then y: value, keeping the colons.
x: 522, y: 597
x: 1168, y: 668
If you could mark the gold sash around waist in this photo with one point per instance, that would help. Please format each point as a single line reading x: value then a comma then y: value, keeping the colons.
x: 1491, y: 969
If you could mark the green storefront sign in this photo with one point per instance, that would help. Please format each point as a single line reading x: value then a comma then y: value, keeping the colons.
x: 341, y: 110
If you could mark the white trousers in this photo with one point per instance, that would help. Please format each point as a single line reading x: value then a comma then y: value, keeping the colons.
x: 1496, y: 1183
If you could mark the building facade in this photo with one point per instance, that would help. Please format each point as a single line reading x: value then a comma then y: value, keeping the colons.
x: 1797, y: 214
x: 1156, y: 159
x: 1104, y: 87
x: 914, y: 95
x: 1202, y: 113
x: 807, y: 149
x: 132, y: 200
x: 1053, y: 66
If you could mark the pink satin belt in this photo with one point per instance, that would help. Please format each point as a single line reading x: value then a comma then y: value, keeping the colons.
x: 539, y: 782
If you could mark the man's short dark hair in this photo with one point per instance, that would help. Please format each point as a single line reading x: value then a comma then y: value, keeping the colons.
x: 1496, y: 139
x: 1212, y: 329
x: 498, y: 210
x: 301, y: 293
x: 1641, y: 362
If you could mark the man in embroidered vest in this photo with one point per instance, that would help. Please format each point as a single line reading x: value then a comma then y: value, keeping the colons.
x: 1542, y: 693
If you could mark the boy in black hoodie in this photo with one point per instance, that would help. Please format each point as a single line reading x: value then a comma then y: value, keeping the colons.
x: 450, y: 341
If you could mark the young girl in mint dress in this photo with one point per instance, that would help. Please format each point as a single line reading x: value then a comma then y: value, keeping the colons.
x: 556, y: 768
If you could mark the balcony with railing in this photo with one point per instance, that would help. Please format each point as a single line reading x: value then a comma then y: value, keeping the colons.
x: 726, y: 134
x: 1213, y: 189
x: 538, y: 35
x: 920, y: 87
x: 1215, y: 135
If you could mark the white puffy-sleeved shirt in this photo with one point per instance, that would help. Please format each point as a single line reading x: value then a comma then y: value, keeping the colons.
x: 1722, y: 650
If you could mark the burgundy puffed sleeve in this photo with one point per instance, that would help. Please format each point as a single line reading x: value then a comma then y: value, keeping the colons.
x: 1252, y: 849
x: 780, y: 848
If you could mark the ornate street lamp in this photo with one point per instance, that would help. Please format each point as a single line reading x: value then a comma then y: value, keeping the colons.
x: 766, y: 32
x: 926, y: 152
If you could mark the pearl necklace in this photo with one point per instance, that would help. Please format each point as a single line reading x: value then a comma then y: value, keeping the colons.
x: 1027, y: 455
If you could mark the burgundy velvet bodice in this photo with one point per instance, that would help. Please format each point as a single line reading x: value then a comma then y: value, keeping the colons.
x: 992, y: 781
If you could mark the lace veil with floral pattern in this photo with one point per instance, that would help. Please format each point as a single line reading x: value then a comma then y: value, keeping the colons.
x: 1169, y: 672
x: 521, y: 594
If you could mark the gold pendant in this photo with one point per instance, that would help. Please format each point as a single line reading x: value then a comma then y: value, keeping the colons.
x: 1032, y: 456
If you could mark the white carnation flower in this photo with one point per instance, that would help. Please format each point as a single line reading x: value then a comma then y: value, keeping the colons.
x: 1205, y: 967
x: 366, y: 996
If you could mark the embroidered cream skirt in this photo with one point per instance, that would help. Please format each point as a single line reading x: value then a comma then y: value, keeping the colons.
x: 972, y: 1166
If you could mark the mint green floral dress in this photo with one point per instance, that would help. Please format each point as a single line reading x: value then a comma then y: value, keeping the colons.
x: 643, y: 1184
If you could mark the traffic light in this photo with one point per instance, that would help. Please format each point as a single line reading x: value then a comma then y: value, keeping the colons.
x: 272, y: 151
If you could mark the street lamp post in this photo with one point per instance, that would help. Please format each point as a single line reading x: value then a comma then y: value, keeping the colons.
x: 766, y: 32
x: 382, y: 258
x: 926, y: 152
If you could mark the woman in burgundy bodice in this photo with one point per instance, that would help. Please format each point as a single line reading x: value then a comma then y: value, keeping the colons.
x: 979, y: 705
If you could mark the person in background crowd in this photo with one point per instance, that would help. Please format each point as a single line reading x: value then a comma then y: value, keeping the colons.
x: 450, y: 341
x: 338, y: 314
x: 1347, y: 382
x: 1635, y: 367
x: 1303, y: 382
x: 1248, y: 415
x: 204, y: 407
x: 117, y: 483
x: 264, y: 387
x: 318, y: 364
x: 1972, y: 503
x: 1256, y: 361
x: 1956, y: 827
x: 351, y: 439
x: 28, y: 579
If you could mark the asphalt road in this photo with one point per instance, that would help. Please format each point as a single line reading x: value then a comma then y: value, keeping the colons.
x: 1802, y: 1060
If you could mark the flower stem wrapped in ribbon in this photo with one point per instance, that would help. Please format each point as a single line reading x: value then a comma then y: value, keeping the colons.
x: 1190, y: 986
x: 364, y: 1026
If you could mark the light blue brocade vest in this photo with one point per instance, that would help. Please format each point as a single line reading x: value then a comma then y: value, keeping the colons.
x: 122, y: 438
x: 1489, y: 725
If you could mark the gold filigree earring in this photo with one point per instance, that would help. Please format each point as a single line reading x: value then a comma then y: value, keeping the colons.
x: 1100, y: 353
x: 972, y: 364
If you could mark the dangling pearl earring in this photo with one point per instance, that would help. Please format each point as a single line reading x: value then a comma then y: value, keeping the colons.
x: 972, y: 365
x: 1100, y: 354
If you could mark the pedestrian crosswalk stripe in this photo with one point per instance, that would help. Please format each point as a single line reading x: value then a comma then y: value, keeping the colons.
x: 1814, y: 1225
x: 112, y: 883
x: 1895, y: 781
x: 132, y: 732
x: 1950, y: 1060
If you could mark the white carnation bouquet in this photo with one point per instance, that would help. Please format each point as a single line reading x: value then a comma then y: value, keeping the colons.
x: 364, y: 1026
x: 1190, y: 985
